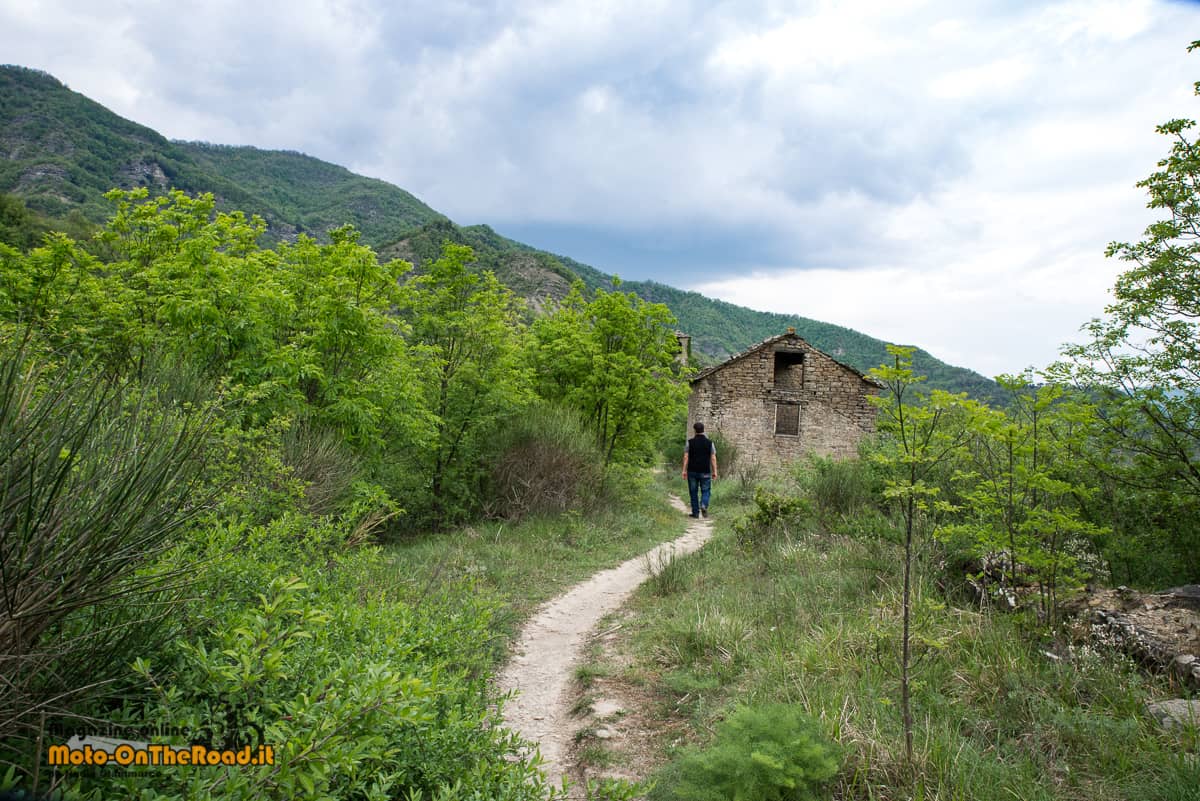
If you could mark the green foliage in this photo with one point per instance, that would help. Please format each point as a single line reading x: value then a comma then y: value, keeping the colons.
x: 467, y: 337
x: 774, y: 516
x: 361, y: 698
x: 612, y: 359
x: 814, y: 622
x: 304, y: 329
x: 772, y: 752
x: 23, y: 229
x: 615, y: 790
x: 1141, y: 365
x: 923, y: 437
x: 839, y: 488
x: 298, y: 194
x: 1022, y: 487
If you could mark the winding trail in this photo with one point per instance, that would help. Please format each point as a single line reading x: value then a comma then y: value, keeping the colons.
x: 552, y: 641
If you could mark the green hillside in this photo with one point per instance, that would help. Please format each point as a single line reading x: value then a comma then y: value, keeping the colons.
x: 62, y: 152
x: 309, y: 194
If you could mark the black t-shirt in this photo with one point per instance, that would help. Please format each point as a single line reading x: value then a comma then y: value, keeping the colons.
x: 700, y: 450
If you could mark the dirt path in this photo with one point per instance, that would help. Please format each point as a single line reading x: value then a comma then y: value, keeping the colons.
x: 552, y: 642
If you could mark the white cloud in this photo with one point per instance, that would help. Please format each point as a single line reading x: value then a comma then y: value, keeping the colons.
x: 944, y: 174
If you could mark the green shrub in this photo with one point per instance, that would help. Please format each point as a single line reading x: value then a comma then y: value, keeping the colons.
x: 361, y: 697
x: 839, y: 487
x: 97, y: 478
x: 774, y: 516
x: 728, y: 453
x: 762, y: 753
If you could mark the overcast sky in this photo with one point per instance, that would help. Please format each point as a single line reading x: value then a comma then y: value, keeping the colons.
x: 945, y: 174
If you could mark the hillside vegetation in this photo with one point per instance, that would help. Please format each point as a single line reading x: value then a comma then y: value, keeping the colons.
x: 64, y: 151
x: 292, y: 495
x: 205, y: 447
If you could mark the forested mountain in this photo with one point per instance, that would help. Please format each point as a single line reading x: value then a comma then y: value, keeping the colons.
x: 61, y: 152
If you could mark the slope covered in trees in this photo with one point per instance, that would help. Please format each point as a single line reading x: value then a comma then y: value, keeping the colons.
x: 65, y: 151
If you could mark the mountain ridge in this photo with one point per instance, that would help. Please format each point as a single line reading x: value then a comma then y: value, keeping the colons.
x: 60, y: 152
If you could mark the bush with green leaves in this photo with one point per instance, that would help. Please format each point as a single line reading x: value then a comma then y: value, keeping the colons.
x: 362, y: 695
x: 772, y: 752
x: 774, y: 516
x: 613, y: 359
x: 839, y: 487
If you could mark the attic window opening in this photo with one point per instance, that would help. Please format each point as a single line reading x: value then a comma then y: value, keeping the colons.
x: 789, y: 370
x: 787, y: 419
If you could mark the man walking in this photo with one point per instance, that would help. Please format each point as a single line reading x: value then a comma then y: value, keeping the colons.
x: 700, y: 468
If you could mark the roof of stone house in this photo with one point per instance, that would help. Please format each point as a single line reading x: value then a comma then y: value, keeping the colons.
x: 771, y: 341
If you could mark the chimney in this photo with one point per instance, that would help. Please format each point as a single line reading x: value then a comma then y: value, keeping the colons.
x: 685, y: 348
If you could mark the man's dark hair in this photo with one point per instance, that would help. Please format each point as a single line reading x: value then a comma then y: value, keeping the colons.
x: 699, y: 428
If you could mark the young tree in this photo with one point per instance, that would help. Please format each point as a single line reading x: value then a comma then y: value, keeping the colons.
x: 1143, y: 358
x: 614, y: 360
x: 1021, y: 493
x: 923, y: 436
x: 466, y: 333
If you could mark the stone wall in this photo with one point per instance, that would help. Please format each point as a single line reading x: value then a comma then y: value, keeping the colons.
x: 738, y: 400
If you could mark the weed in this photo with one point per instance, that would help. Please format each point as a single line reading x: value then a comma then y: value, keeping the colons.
x: 615, y: 790
x: 668, y: 574
x: 598, y: 755
x: 587, y: 673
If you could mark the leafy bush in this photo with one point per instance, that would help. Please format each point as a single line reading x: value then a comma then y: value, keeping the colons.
x: 775, y: 515
x: 362, y: 696
x: 772, y: 752
x: 839, y: 487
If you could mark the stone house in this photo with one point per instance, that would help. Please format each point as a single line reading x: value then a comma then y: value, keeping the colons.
x: 782, y: 399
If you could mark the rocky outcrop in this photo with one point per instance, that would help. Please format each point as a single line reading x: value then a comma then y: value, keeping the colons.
x: 1160, y: 630
x: 42, y: 174
x: 144, y: 172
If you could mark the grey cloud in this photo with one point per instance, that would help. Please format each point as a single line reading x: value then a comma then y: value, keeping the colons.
x: 663, y: 139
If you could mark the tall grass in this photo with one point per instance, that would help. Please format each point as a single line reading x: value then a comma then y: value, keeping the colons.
x: 548, y: 463
x: 814, y: 622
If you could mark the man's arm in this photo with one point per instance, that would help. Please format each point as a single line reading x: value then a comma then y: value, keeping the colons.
x: 714, y: 463
x: 685, y: 455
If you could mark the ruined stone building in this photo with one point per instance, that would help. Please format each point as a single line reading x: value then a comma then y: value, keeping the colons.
x: 782, y: 399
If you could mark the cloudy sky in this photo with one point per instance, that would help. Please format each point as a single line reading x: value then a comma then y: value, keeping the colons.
x: 945, y: 174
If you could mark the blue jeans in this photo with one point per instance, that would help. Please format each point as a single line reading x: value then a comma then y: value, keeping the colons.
x: 699, y: 483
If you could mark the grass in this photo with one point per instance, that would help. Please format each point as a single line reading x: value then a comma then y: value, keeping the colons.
x: 813, y: 619
x: 525, y: 564
x: 587, y: 673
